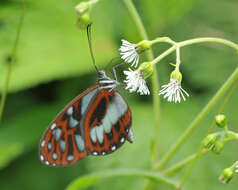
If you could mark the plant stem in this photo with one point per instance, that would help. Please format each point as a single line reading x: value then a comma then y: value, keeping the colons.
x: 190, y: 42
x: 198, y: 119
x: 155, y: 83
x: 9, y: 66
x: 190, y: 158
x: 181, y: 164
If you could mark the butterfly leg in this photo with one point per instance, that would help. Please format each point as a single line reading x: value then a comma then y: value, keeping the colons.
x: 113, y: 70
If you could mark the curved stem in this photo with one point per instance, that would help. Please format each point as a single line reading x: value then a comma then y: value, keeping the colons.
x: 181, y: 164
x: 9, y: 67
x: 190, y: 42
x: 198, y: 119
x: 155, y: 82
x: 190, y: 158
x: 208, y: 39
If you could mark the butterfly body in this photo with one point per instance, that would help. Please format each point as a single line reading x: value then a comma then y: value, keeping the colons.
x: 97, y: 122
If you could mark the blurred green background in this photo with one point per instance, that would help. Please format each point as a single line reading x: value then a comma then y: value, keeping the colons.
x: 53, y: 65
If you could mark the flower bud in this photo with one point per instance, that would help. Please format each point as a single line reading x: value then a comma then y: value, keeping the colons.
x: 226, y: 175
x: 143, y: 46
x: 176, y: 75
x: 82, y: 8
x: 209, y: 140
x: 218, y: 147
x: 83, y: 21
x: 147, y: 69
x: 220, y: 120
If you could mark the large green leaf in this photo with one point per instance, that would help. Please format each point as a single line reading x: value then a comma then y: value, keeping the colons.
x: 51, y: 46
x: 89, y: 180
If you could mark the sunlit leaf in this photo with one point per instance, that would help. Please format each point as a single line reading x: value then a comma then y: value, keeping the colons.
x: 86, y: 181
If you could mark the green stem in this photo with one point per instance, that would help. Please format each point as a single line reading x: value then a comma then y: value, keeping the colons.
x: 198, y: 119
x: 9, y: 67
x: 155, y: 83
x: 181, y: 164
x: 232, y: 136
x: 170, y: 171
x: 190, y: 42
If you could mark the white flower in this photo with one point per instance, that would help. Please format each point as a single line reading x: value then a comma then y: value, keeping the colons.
x: 173, y: 91
x: 128, y: 53
x: 135, y: 82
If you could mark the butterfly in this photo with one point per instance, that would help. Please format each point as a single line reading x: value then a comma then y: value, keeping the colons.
x: 97, y: 122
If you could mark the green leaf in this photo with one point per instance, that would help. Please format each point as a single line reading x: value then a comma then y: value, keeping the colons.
x: 86, y: 181
x: 50, y: 47
x: 8, y: 152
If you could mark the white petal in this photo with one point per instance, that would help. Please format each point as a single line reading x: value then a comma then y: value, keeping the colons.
x: 128, y: 53
x: 173, y: 91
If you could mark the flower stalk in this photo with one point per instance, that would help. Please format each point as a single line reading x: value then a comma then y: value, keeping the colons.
x: 12, y: 60
x: 198, y: 119
x: 155, y: 82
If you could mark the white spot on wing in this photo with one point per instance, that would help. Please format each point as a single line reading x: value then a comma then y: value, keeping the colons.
x: 95, y: 153
x: 120, y: 104
x: 57, y: 134
x: 86, y: 99
x: 73, y: 122
x: 113, y: 148
x: 43, y: 143
x: 49, y: 145
x: 70, y: 111
x: 107, y: 124
x: 122, y: 139
x: 70, y: 157
x: 54, y: 164
x: 100, y: 133
x: 103, y: 153
x: 53, y: 126
x: 62, y: 145
x: 93, y: 134
x: 54, y: 156
x: 47, y: 163
x: 116, y: 109
x: 79, y: 142
x: 41, y: 157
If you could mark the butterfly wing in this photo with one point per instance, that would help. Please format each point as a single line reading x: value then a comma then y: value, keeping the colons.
x: 107, y: 123
x: 63, y: 142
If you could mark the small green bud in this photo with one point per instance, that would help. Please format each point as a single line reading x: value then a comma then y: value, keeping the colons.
x: 143, y: 46
x: 83, y: 21
x: 218, y: 147
x: 82, y: 8
x: 176, y: 75
x: 209, y: 140
x: 220, y: 120
x: 226, y: 175
x: 147, y: 69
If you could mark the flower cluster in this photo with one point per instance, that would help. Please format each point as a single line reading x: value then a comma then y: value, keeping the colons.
x: 135, y: 79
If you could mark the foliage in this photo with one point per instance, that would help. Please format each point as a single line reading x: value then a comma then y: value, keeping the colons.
x: 53, y: 63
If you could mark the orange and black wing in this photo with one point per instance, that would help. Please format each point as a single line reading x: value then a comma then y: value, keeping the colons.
x: 106, y: 123
x: 63, y: 142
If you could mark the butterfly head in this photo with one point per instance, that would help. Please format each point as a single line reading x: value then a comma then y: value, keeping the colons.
x: 106, y: 82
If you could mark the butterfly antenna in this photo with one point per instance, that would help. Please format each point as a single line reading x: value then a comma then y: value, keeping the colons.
x: 90, y: 45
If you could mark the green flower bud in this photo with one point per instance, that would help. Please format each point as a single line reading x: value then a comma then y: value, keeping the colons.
x: 82, y: 8
x: 218, y: 147
x: 143, y: 46
x: 209, y: 140
x: 226, y: 175
x: 220, y: 120
x: 176, y: 75
x: 83, y: 21
x: 147, y: 69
